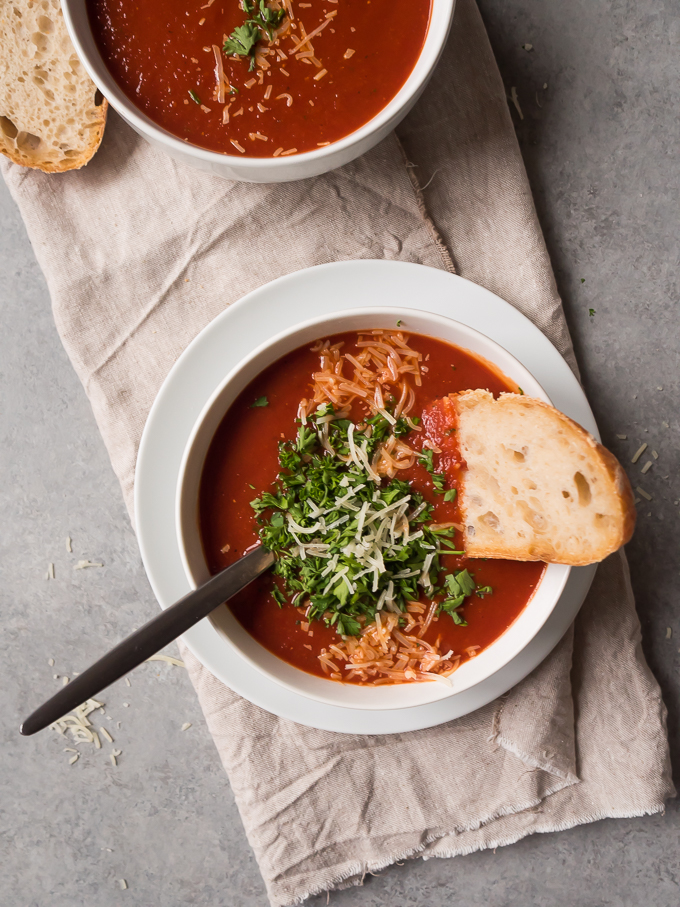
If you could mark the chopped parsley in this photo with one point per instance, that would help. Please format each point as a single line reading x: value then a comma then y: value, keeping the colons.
x: 591, y: 312
x: 347, y: 545
x: 438, y: 478
x: 243, y: 40
x: 194, y: 97
x: 261, y: 401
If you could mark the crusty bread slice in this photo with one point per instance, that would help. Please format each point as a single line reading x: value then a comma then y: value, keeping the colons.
x: 51, y: 115
x: 537, y: 486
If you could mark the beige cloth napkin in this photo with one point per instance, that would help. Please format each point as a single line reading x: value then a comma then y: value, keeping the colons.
x: 140, y: 253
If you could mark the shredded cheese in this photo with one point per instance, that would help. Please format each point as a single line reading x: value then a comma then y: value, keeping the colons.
x: 168, y: 659
x: 638, y: 453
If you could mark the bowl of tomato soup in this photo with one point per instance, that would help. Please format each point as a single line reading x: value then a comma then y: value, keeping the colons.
x: 261, y: 90
x: 326, y: 445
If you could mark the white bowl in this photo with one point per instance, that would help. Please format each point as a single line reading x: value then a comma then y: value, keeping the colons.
x: 263, y: 170
x: 234, y: 636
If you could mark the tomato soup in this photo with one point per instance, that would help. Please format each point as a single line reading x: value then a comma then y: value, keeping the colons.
x: 274, y: 428
x: 260, y: 79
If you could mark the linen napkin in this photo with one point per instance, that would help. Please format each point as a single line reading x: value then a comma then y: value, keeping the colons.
x: 140, y: 253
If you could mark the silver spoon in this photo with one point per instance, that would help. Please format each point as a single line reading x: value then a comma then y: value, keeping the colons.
x: 150, y: 638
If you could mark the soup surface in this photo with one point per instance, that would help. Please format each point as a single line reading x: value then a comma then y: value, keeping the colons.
x: 285, y: 442
x: 208, y: 72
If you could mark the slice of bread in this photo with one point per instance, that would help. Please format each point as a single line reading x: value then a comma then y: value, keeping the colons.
x: 537, y: 486
x: 51, y: 115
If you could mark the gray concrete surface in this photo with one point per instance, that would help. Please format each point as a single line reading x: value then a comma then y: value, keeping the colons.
x: 602, y: 157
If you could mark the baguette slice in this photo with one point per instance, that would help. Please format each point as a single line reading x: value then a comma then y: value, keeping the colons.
x: 51, y: 115
x: 537, y: 486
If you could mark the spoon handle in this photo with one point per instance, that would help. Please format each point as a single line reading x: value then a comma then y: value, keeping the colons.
x: 150, y: 638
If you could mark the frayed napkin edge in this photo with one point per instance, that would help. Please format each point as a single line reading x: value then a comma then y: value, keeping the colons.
x: 354, y: 876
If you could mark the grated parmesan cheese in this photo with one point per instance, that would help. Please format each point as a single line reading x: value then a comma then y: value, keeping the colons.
x: 515, y: 101
x: 638, y: 453
x: 168, y: 659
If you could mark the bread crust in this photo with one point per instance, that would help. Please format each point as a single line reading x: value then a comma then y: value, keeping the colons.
x: 63, y: 166
x: 542, y: 549
x: 50, y: 116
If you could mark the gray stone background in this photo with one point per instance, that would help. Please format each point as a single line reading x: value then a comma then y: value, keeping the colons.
x: 602, y: 156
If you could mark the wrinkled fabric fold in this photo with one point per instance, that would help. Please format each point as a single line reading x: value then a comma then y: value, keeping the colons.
x: 140, y: 253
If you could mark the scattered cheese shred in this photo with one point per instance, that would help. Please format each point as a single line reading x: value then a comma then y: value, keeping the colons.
x: 74, y: 759
x: 655, y: 455
x: 648, y: 465
x: 320, y: 74
x: 123, y: 884
x: 669, y: 632
x: 168, y: 659
x: 290, y: 151
x: 638, y: 453
x: 186, y: 725
x: 69, y: 547
x: 236, y: 144
x: 643, y: 493
x: 622, y: 437
x: 105, y: 734
x: 313, y: 33
x: 50, y: 571
x: 515, y: 101
x: 348, y: 53
x: 83, y: 565
x: 50, y: 662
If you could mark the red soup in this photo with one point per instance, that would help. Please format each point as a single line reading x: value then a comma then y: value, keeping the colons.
x: 259, y: 78
x: 336, y: 458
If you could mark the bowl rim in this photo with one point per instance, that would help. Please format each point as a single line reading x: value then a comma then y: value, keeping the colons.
x: 557, y: 574
x: 77, y: 23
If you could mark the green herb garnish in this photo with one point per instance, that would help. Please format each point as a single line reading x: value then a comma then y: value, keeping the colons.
x: 438, y: 478
x: 591, y: 312
x: 261, y: 401
x: 194, y: 97
x: 347, y: 545
x: 243, y: 40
